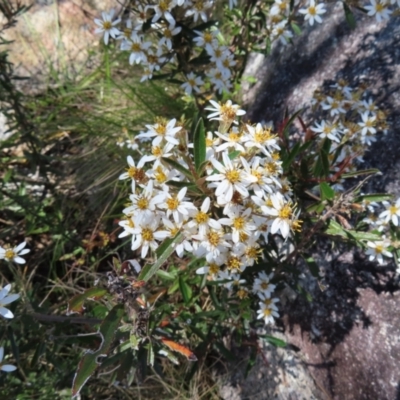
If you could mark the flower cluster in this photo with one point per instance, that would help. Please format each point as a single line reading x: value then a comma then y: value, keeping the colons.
x: 152, y: 36
x: 351, y: 121
x: 223, y: 214
x: 281, y: 15
x: 382, y: 217
x: 10, y: 254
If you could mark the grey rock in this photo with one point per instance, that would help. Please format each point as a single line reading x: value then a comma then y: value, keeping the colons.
x: 349, y: 336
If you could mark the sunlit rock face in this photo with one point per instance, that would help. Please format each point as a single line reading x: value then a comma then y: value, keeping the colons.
x: 349, y: 335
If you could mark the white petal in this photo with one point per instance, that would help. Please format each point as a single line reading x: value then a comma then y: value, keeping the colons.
x: 8, y: 368
x: 6, y: 313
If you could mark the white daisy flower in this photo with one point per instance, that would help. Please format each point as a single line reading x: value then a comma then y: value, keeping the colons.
x: 7, y: 299
x: 5, y: 367
x: 312, y: 12
x: 377, y: 250
x: 268, y: 313
x: 162, y: 130
x: 392, y: 212
x: 147, y: 236
x: 326, y: 130
x: 107, y: 26
x: 368, y: 123
x: 263, y: 285
x: 137, y: 48
x: 14, y: 254
x: 231, y: 177
x: 193, y: 82
x: 176, y: 206
x: 282, y: 211
x: 167, y: 34
x: 380, y: 9
x: 201, y: 220
x: 144, y: 205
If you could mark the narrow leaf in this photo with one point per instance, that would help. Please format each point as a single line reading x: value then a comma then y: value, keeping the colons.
x: 75, y: 305
x: 162, y: 253
x: 90, y: 360
x: 185, y: 290
x: 199, y: 143
x: 354, y: 174
x: 313, y: 266
x: 275, y: 341
x: 349, y: 16
x: 178, y: 167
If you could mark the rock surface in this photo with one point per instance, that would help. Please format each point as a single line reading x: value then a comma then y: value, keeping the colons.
x: 349, y: 336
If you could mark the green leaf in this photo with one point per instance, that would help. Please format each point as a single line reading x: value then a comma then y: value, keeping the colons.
x: 90, y: 360
x: 224, y: 351
x: 349, y: 16
x: 189, y: 185
x: 335, y: 229
x: 165, y: 275
x: 179, y: 167
x: 234, y: 154
x: 327, y: 193
x: 290, y: 122
x: 275, y: 341
x: 75, y: 305
x: 374, y: 197
x: 354, y: 174
x: 199, y: 143
x: 296, y: 29
x: 162, y: 253
x: 134, y: 341
x: 150, y: 354
x: 291, y: 156
x: 367, y: 236
x: 313, y: 266
x: 185, y: 290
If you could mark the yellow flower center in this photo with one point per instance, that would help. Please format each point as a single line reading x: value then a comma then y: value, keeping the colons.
x: 156, y: 151
x: 208, y: 37
x: 9, y: 254
x: 147, y: 235
x: 312, y: 10
x: 271, y: 167
x: 234, y: 136
x: 239, y: 223
x: 201, y: 217
x: 392, y: 210
x: 172, y: 203
x: 233, y: 263
x: 107, y: 25
x: 160, y: 129
x: 285, y: 212
x: 214, y: 268
x: 143, y: 203
x: 233, y: 176
x: 253, y: 252
x: 213, y: 238
x: 267, y: 312
x: 228, y: 112
x: 136, y: 47
x: 199, y: 5
x: 160, y: 176
x: 164, y: 5
x: 378, y: 249
x: 127, y: 32
x: 264, y: 285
